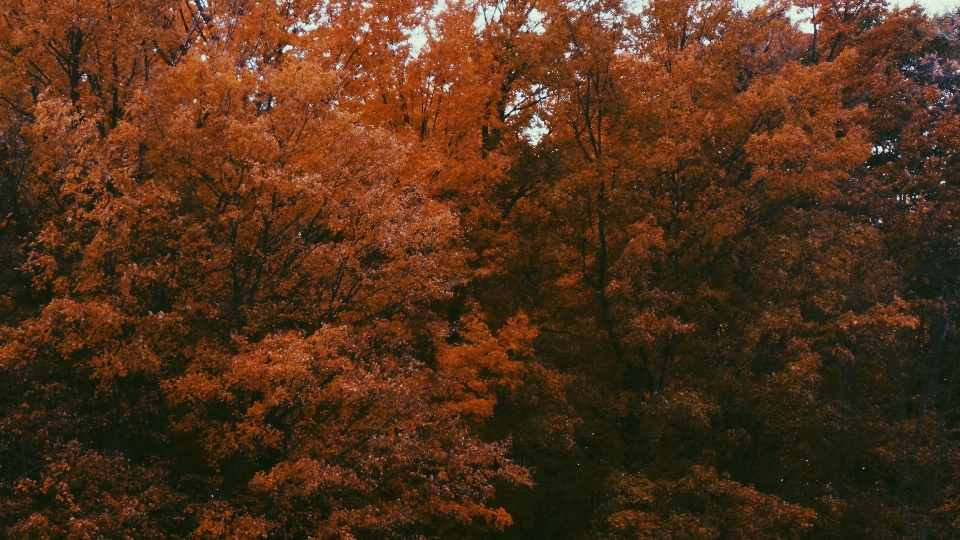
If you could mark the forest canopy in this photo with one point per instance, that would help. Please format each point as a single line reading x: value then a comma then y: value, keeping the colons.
x: 479, y: 269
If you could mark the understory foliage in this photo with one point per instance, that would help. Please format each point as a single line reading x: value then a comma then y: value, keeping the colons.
x: 479, y: 269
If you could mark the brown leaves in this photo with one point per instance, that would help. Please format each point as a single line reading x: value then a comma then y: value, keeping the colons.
x: 702, y: 505
x: 298, y: 201
x: 82, y: 493
x: 485, y: 365
x: 276, y: 270
x: 231, y: 283
x: 336, y: 440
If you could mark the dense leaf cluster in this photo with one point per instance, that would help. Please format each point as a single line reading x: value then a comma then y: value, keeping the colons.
x: 479, y: 268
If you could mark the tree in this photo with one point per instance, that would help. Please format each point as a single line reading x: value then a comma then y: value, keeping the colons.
x: 225, y: 298
x: 509, y: 269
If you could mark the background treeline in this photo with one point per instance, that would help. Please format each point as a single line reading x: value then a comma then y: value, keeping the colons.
x: 479, y: 269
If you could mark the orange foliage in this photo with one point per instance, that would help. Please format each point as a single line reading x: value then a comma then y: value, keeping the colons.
x: 478, y: 268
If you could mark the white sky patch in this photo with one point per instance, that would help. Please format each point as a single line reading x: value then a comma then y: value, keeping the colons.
x: 418, y: 36
x: 536, y: 130
x: 418, y: 40
x: 485, y: 16
x: 932, y: 7
x: 535, y: 21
